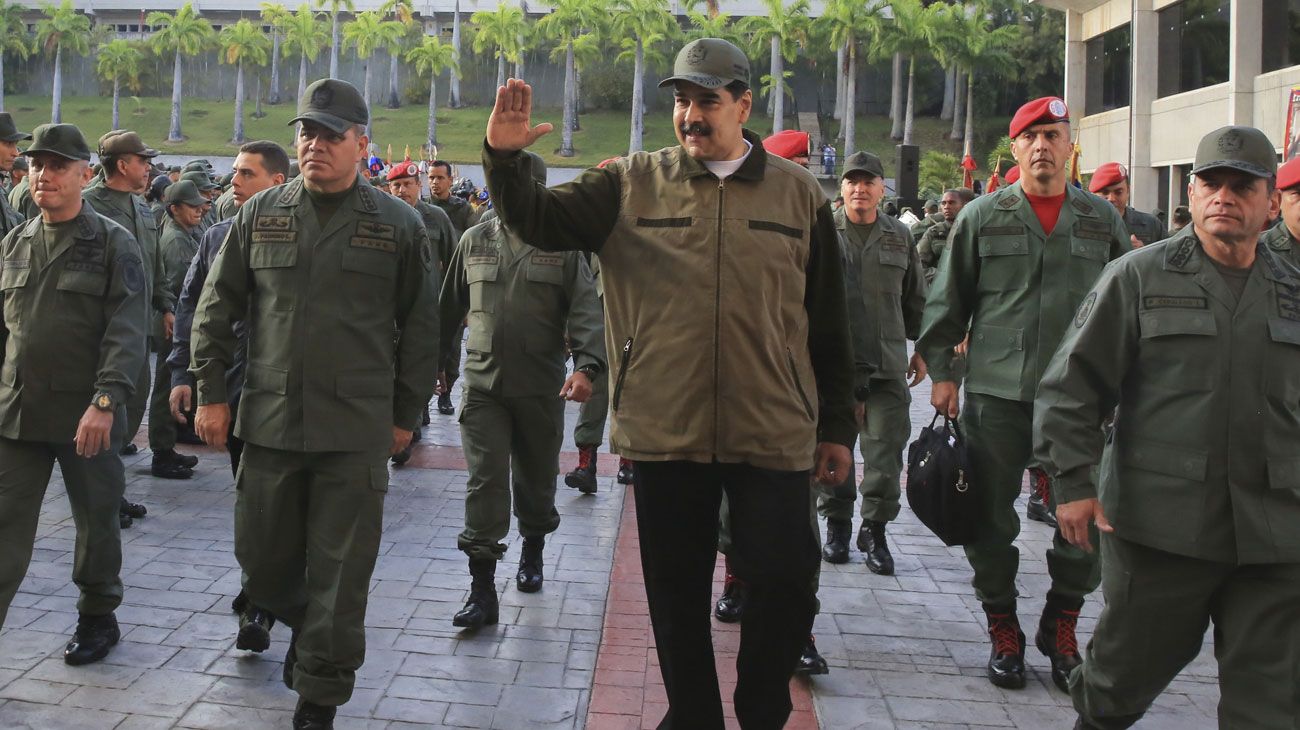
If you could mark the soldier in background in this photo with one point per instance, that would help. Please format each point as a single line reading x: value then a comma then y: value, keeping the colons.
x: 935, y: 239
x: 1111, y: 182
x: 9, y: 157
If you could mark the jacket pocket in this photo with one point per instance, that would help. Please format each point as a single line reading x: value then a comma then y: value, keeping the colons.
x: 370, y: 262
x: 997, y: 358
x: 481, y: 279
x: 267, y: 378
x: 13, y: 277
x: 798, y: 385
x: 272, y: 256
x: 1284, y: 473
x: 83, y: 282
x: 1171, y: 461
x: 624, y: 359
x: 1003, y: 262
x: 1172, y: 322
x: 1282, y: 378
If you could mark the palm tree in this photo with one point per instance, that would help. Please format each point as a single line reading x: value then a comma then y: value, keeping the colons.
x: 589, y: 51
x: 500, y: 30
x: 985, y: 48
x: 241, y: 44
x: 367, y: 33
x: 911, y: 34
x: 62, y: 27
x: 432, y: 56
x: 848, y: 23
x: 403, y: 12
x: 336, y: 7
x: 642, y: 24
x: 184, y: 33
x: 784, y: 30
x: 713, y: 24
x: 305, y: 35
x: 568, y: 20
x: 454, y: 83
x: 13, y: 39
x: 116, y: 61
x: 275, y: 15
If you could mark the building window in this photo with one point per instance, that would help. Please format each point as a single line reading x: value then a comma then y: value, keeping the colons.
x: 1281, y: 34
x: 1109, y: 68
x: 1193, y: 46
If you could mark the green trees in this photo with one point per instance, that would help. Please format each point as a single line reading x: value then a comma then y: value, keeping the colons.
x: 367, y: 33
x: 911, y: 34
x: 183, y: 33
x: 500, y: 31
x: 13, y: 39
x: 783, y: 29
x: 454, y: 85
x: 335, y: 8
x: 402, y: 12
x: 568, y: 20
x: 982, y: 48
x: 432, y: 56
x: 242, y: 44
x: 305, y: 35
x: 118, y: 61
x: 275, y: 15
x: 642, y: 23
x: 62, y: 28
x: 849, y: 23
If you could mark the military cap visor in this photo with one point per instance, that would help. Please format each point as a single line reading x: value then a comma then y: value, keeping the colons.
x: 1244, y: 149
x: 863, y: 162
x: 200, y: 180
x: 333, y: 104
x: 183, y: 192
x: 709, y: 62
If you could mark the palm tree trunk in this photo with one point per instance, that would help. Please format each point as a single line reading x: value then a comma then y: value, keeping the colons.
x: 911, y: 88
x: 578, y: 107
x: 959, y: 98
x: 638, y: 99
x: 566, y: 126
x: 2, y: 82
x: 174, y: 134
x: 501, y: 70
x: 433, y: 111
x: 455, y: 54
x: 849, y: 122
x: 365, y: 94
x: 778, y: 87
x: 949, y: 92
x: 56, y: 110
x: 394, y: 98
x: 302, y: 76
x: 334, y: 49
x: 840, y: 60
x: 970, y: 113
x: 117, y: 96
x: 238, y: 137
x: 896, y: 96
x: 273, y: 96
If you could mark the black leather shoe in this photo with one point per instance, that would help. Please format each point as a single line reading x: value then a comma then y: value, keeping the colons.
x: 94, y: 636
x: 424, y: 417
x: 131, y: 508
x: 445, y: 406
x: 482, y: 608
x: 730, y: 608
x: 124, y: 520
x: 624, y: 472
x: 1039, y: 489
x: 402, y: 456
x: 1056, y: 638
x: 1006, y: 667
x: 290, y: 660
x: 129, y: 450
x: 254, y: 630
x: 871, y: 541
x: 583, y: 477
x: 240, y: 603
x: 309, y: 716
x: 529, y: 577
x: 165, y: 469
x: 836, y: 549
x: 174, y: 457
x: 811, y: 661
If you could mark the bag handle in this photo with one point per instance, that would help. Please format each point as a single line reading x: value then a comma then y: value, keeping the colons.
x: 948, y: 424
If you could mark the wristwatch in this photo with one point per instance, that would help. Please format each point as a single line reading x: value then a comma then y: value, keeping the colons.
x: 103, y: 401
x: 591, y: 371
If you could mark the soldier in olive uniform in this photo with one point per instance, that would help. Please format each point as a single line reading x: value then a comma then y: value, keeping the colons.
x: 886, y: 296
x: 933, y: 216
x: 20, y: 199
x: 1195, y: 343
x: 9, y: 155
x: 72, y: 340
x: 521, y: 301
x: 17, y: 174
x: 208, y: 189
x: 462, y: 217
x: 1018, y: 263
x: 1111, y: 182
x: 935, y: 239
x: 1284, y: 238
x: 336, y: 285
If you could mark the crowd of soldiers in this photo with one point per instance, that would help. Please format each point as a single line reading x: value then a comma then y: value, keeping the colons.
x: 303, y: 317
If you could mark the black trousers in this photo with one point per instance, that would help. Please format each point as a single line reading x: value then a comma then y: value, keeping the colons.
x: 774, y: 550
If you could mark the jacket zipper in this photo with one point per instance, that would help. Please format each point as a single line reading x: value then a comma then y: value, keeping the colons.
x: 622, y: 373
x: 717, y: 318
x: 798, y: 384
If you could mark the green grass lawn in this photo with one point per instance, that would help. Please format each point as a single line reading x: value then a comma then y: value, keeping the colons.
x: 208, y: 125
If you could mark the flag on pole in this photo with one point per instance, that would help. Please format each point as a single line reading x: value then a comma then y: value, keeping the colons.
x: 968, y: 170
x: 388, y: 160
x: 994, y: 181
x: 1075, y: 178
x: 407, y: 154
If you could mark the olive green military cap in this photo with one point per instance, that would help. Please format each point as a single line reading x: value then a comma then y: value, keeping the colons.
x: 1245, y: 149
x: 226, y: 180
x: 184, y: 191
x: 9, y: 131
x: 711, y: 63
x: 863, y: 162
x: 124, y: 142
x: 64, y: 140
x: 333, y: 104
x: 20, y: 163
x: 194, y: 166
x: 200, y: 179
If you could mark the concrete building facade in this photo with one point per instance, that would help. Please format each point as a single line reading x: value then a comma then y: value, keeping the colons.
x: 1146, y: 79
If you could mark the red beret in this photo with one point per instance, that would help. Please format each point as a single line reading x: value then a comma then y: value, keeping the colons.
x: 787, y: 144
x: 1107, y: 175
x: 1012, y: 175
x: 605, y: 162
x: 403, y: 169
x: 1047, y: 110
x: 1288, y: 175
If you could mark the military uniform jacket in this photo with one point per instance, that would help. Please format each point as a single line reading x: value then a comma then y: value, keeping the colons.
x: 1013, y: 288
x: 132, y: 213
x: 1203, y: 459
x: 1281, y: 242
x: 325, y: 371
x: 73, y: 325
x: 926, y: 223
x: 224, y: 206
x: 9, y: 218
x: 437, y: 224
x: 931, y: 246
x: 191, y: 289
x: 1143, y: 225
x: 460, y: 212
x: 520, y: 307
x: 886, y: 296
x: 20, y: 199
x: 177, y: 248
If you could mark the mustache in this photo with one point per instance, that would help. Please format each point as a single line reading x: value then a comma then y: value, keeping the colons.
x: 697, y: 128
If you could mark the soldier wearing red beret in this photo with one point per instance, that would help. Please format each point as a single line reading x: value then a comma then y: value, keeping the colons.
x: 1284, y: 238
x: 1111, y: 182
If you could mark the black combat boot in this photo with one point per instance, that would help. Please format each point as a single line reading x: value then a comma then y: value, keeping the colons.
x: 529, y: 577
x: 583, y: 478
x: 129, y: 450
x: 836, y: 549
x: 165, y: 467
x: 94, y: 636
x: 186, y: 460
x: 731, y: 606
x: 310, y: 716
x: 239, y: 603
x: 624, y: 471
x: 1056, y: 637
x: 290, y: 660
x: 810, y: 660
x: 402, y: 456
x: 124, y: 520
x: 481, y: 609
x: 132, y: 509
x: 871, y: 541
x: 445, y: 406
x: 1006, y: 667
x: 1039, y: 490
x: 254, y: 630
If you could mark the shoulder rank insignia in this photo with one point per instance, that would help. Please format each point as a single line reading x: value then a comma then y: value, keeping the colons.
x: 1009, y: 201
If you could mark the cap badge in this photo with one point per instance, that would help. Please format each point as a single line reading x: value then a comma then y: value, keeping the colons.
x: 697, y: 54
x: 1057, y: 108
x: 322, y: 96
x: 1231, y: 142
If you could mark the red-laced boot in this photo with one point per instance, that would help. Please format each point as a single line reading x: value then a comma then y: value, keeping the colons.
x: 1056, y: 637
x: 583, y: 478
x: 1039, y: 508
x: 1006, y: 667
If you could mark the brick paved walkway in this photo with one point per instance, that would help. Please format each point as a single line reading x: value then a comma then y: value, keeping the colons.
x: 906, y: 651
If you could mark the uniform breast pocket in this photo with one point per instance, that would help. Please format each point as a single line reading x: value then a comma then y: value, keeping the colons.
x: 1004, y: 262
x: 83, y: 282
x: 378, y: 264
x: 1088, y: 256
x: 482, y: 283
x: 1282, y: 371
x: 1181, y: 343
x: 272, y: 255
x: 13, y: 281
x: 546, y: 272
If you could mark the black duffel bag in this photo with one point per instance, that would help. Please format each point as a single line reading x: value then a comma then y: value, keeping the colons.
x: 939, y: 487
